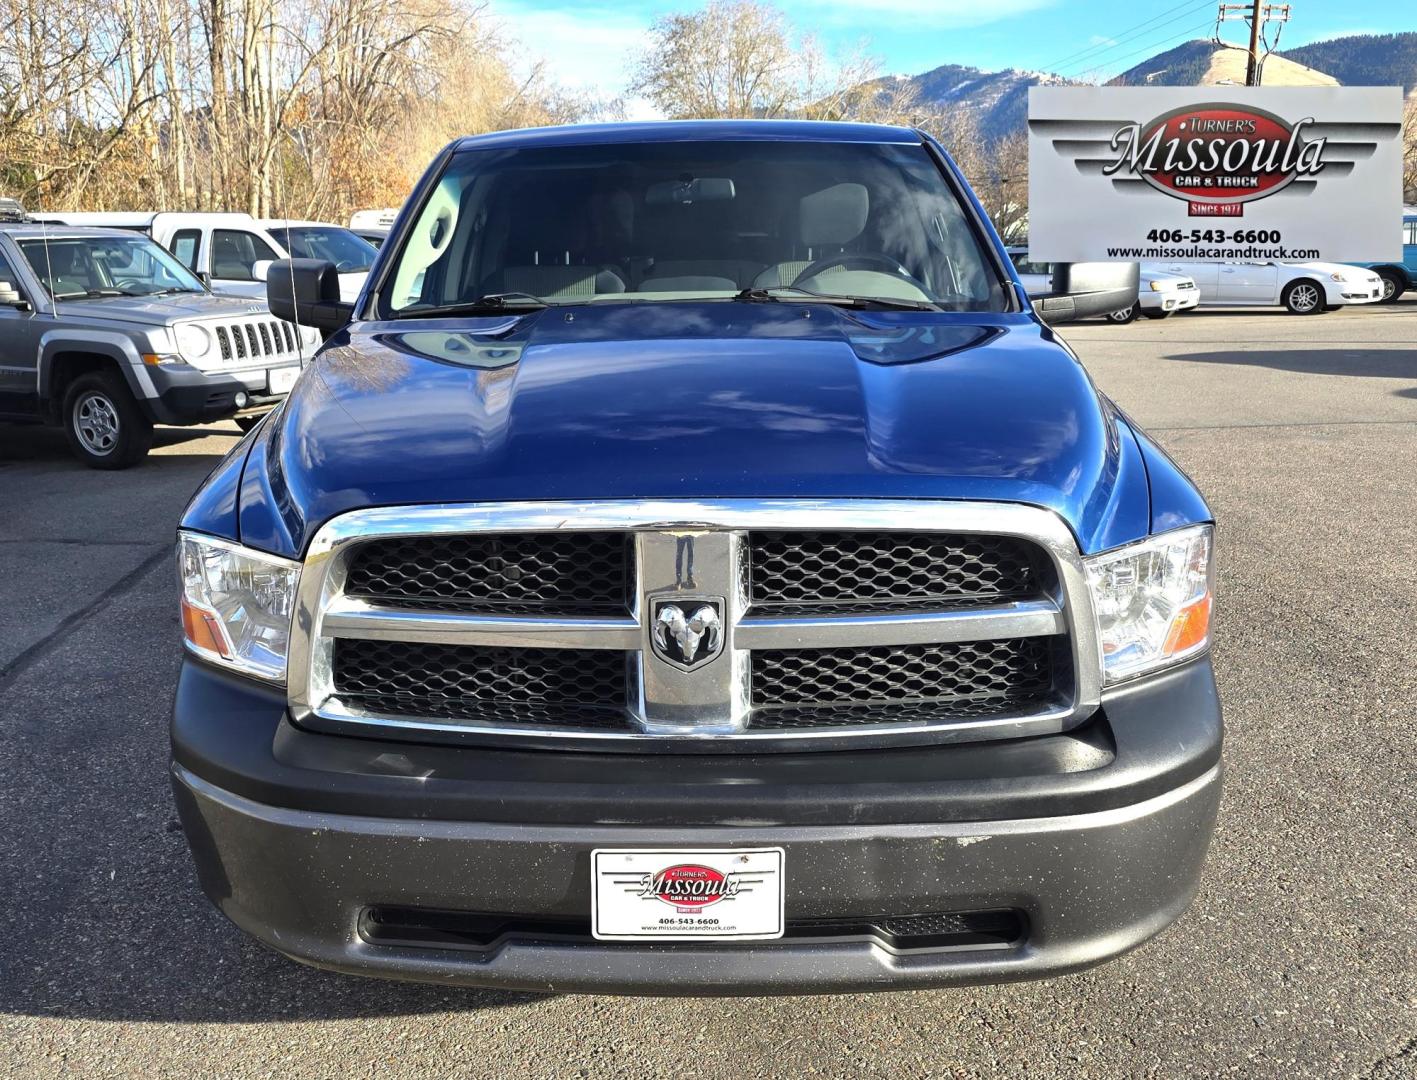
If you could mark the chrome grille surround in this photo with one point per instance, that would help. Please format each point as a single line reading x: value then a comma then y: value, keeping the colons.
x: 709, y: 708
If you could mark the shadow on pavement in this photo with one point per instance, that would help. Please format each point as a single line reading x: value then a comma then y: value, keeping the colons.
x: 35, y: 442
x: 1383, y: 363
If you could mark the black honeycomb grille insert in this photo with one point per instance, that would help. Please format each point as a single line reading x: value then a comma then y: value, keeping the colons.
x: 568, y: 574
x: 846, y: 572
x: 570, y: 688
x: 805, y: 688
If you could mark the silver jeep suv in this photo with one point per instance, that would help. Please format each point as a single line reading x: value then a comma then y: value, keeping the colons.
x: 106, y: 333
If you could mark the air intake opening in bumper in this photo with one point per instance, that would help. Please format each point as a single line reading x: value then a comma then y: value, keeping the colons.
x: 425, y: 928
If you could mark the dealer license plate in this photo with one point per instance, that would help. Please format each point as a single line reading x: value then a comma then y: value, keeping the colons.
x: 723, y: 894
x: 280, y: 380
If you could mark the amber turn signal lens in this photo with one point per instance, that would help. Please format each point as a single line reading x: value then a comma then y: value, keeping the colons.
x: 202, y: 630
x: 1190, y: 627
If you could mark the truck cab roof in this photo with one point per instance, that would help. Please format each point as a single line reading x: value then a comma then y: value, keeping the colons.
x: 693, y: 131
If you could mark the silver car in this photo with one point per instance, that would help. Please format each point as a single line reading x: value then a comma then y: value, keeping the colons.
x: 105, y: 333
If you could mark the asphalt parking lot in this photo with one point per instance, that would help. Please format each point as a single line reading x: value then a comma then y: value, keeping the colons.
x: 1298, y: 958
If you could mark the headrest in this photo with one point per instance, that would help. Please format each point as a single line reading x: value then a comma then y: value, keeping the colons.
x: 834, y: 215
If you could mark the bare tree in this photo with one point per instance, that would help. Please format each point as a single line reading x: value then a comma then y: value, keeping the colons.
x: 732, y: 58
x: 740, y: 58
x: 1409, y: 150
x: 278, y: 107
x: 997, y: 169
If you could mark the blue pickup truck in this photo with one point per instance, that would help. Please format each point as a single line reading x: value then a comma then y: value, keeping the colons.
x: 1398, y: 277
x: 693, y: 566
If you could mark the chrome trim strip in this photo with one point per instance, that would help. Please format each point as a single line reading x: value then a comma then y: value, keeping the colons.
x: 339, y: 715
x: 320, y: 605
x: 351, y: 618
x: 1034, y: 618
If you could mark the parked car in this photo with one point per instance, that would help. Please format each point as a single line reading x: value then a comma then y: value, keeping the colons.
x: 1400, y: 276
x: 351, y: 254
x: 1305, y: 288
x: 106, y: 334
x: 373, y: 236
x: 232, y: 252
x: 718, y: 581
x: 1159, y: 295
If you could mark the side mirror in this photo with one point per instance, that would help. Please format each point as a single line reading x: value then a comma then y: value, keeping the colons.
x: 260, y: 268
x: 1084, y: 290
x: 306, y: 291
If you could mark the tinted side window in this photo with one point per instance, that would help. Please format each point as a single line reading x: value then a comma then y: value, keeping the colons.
x: 184, y: 246
x: 1410, y: 232
x: 234, y: 252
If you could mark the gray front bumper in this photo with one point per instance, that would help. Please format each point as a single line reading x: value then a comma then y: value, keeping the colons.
x: 1090, y: 886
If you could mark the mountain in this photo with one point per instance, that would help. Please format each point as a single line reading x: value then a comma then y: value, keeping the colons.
x: 998, y: 98
x: 1204, y: 63
x: 1364, y: 59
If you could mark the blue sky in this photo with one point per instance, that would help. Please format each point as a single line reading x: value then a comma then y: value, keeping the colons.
x: 590, y: 45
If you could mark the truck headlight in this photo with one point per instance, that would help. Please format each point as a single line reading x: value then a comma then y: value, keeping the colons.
x: 236, y: 604
x: 193, y: 340
x: 1153, y: 601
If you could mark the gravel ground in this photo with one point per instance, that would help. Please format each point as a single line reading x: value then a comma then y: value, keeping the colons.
x: 1298, y: 958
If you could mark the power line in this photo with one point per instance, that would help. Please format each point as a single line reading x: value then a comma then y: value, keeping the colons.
x: 1128, y: 34
x: 1110, y: 61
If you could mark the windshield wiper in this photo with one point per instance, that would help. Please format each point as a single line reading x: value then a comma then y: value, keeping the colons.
x: 92, y: 294
x: 779, y: 292
x: 492, y: 302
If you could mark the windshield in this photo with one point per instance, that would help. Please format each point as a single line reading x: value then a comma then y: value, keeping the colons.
x: 347, y: 251
x: 693, y: 220
x: 75, y: 267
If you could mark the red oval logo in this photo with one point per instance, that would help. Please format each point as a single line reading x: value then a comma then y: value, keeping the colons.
x: 689, y: 885
x: 1217, y: 153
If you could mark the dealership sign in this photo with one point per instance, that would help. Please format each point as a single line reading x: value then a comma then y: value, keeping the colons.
x: 1214, y: 172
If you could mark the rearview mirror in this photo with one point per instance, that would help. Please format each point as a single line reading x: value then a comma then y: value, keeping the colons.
x: 260, y: 268
x: 1085, y: 290
x: 699, y: 189
x: 306, y: 291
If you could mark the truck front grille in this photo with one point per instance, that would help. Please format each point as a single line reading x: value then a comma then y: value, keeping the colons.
x: 847, y: 572
x: 571, y: 687
x: 805, y: 625
x: 986, y: 673
x: 564, y: 574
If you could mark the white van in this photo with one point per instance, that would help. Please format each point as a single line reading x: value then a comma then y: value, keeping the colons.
x: 230, y: 251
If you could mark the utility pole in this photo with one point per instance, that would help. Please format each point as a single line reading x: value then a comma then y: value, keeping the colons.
x: 1259, y: 15
x: 1252, y: 68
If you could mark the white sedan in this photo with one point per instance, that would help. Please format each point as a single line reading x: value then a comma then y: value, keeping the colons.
x: 1304, y: 288
x: 1160, y: 293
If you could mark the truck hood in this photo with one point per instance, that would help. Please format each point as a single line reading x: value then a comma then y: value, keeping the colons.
x: 156, y: 310
x: 694, y: 400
